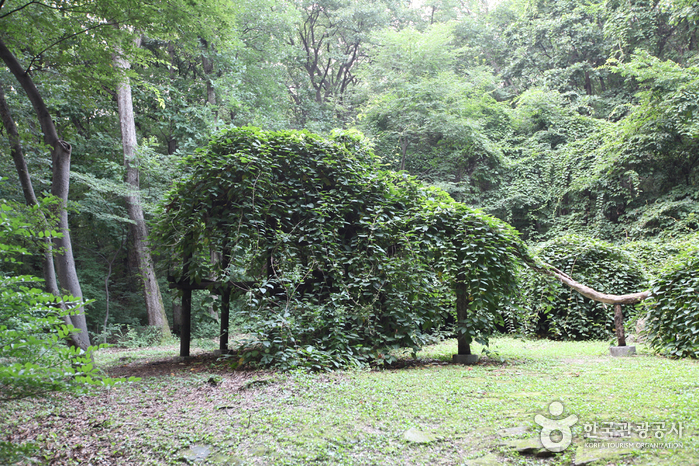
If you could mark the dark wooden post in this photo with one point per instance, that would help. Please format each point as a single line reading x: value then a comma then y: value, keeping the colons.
x: 619, y: 325
x: 186, y: 330
x: 464, y: 355
x: 225, y: 317
x: 464, y: 341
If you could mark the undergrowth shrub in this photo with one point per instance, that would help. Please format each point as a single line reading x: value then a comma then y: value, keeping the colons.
x: 35, y: 358
x: 548, y: 308
x: 657, y: 256
x: 137, y: 336
x: 672, y: 321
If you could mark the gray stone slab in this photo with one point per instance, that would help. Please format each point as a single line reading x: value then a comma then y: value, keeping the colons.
x: 417, y: 436
x: 585, y: 456
x: 527, y: 446
x: 513, y: 431
x: 468, y: 359
x: 196, y: 453
x: 622, y: 351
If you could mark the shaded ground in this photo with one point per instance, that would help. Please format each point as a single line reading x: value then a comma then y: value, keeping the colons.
x: 467, y: 414
x: 211, y: 363
x: 167, y: 366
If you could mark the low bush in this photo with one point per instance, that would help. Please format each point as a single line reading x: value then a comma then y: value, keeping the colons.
x: 672, y: 322
x: 659, y: 255
x: 34, y: 356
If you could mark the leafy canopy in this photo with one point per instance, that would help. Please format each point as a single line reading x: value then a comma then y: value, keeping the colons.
x: 340, y: 259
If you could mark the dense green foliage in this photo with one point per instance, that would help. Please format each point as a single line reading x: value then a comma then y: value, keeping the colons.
x: 672, y: 322
x: 35, y: 359
x: 342, y: 260
x: 555, y: 116
x: 551, y: 309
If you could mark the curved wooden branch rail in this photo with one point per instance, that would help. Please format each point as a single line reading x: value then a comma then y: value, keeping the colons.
x: 594, y: 295
x: 616, y: 300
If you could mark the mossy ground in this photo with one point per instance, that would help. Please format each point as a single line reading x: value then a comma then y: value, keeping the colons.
x: 359, y: 417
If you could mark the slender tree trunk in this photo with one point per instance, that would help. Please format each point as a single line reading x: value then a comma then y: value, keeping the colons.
x: 176, y: 316
x: 208, y: 66
x: 139, y: 232
x: 60, y: 157
x: 170, y: 138
x: 30, y: 198
x: 404, y: 151
x: 16, y: 151
x: 110, y: 263
x: 588, y: 83
x: 215, y: 259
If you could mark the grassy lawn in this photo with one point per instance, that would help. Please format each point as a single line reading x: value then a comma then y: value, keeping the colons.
x: 468, y: 414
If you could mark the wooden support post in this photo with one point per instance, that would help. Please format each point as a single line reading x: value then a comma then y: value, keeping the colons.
x: 186, y: 330
x: 464, y: 346
x: 619, y: 325
x: 464, y: 355
x: 464, y: 342
x: 225, y: 318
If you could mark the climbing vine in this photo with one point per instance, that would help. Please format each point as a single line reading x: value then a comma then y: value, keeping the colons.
x: 337, y: 261
x: 672, y: 322
x: 550, y: 309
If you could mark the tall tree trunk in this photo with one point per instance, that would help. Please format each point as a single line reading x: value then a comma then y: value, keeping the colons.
x: 60, y: 157
x: 139, y: 231
x: 215, y: 259
x: 176, y: 316
x: 403, y: 150
x: 170, y: 139
x: 17, y: 154
x: 208, y: 66
x: 588, y: 83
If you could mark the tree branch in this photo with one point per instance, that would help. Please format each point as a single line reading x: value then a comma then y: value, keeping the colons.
x: 25, y: 6
x: 47, y: 127
x: 588, y: 292
x: 50, y: 7
x: 63, y: 39
x: 16, y: 150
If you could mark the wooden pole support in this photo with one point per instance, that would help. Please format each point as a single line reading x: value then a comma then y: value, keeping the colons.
x: 225, y: 318
x: 619, y: 325
x: 464, y: 342
x: 186, y: 331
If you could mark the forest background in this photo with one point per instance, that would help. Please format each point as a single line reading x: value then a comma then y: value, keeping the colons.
x: 557, y: 117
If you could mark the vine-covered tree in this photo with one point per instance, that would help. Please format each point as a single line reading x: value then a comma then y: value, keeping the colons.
x: 338, y: 260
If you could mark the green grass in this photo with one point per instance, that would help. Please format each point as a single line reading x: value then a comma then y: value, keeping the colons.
x: 359, y: 417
